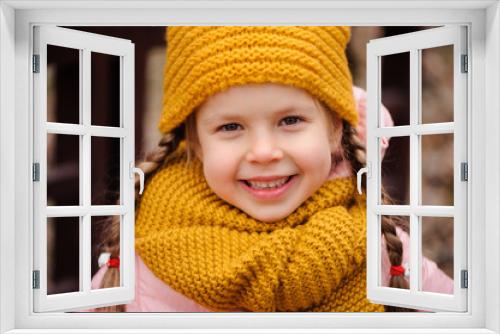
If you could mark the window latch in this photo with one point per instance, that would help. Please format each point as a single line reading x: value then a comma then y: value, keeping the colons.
x: 363, y: 170
x: 134, y: 170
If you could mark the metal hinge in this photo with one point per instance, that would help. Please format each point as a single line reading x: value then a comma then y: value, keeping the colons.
x: 465, y: 66
x: 36, y: 279
x: 464, y: 171
x: 464, y: 281
x: 36, y: 63
x: 36, y: 171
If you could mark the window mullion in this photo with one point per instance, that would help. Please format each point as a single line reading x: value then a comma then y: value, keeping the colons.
x: 40, y: 156
x: 419, y: 129
x: 85, y: 175
x: 460, y: 155
x: 127, y: 188
x: 80, y: 130
x: 414, y: 171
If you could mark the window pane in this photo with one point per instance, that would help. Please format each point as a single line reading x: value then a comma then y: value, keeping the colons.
x: 63, y: 184
x: 389, y: 226
x: 437, y: 245
x: 437, y: 84
x: 396, y: 171
x: 395, y: 86
x: 63, y: 84
x: 437, y: 169
x: 102, y: 228
x: 105, y: 166
x: 63, y: 255
x: 105, y: 100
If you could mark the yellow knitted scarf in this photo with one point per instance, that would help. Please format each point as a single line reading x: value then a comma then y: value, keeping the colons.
x: 215, y: 254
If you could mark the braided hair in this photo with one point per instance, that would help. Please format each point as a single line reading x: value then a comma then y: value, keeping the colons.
x: 110, y: 227
x: 355, y: 153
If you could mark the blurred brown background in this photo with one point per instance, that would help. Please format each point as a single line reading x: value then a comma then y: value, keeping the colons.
x: 63, y: 156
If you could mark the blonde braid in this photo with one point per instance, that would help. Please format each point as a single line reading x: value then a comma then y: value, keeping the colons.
x: 354, y: 151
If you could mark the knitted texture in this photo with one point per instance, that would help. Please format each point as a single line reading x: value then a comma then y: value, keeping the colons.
x: 202, y: 61
x: 215, y: 254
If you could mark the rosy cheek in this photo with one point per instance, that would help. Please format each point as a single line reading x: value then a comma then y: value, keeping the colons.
x: 220, y: 178
x: 316, y: 161
x: 218, y: 169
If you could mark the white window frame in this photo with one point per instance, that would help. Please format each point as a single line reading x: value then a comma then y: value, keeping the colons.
x: 18, y: 16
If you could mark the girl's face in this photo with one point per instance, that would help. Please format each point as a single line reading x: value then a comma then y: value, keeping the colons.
x: 265, y: 148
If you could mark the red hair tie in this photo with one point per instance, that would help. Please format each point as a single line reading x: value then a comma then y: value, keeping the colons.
x: 114, y: 262
x: 397, y: 270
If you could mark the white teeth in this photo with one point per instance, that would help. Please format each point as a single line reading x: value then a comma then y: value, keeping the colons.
x: 267, y: 185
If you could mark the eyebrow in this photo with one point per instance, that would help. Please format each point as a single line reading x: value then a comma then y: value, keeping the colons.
x: 220, y: 118
x: 235, y: 117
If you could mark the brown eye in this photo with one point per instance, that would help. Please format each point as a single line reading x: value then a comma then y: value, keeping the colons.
x: 230, y: 127
x: 291, y: 120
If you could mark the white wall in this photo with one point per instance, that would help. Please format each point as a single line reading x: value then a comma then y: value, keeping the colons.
x: 6, y: 166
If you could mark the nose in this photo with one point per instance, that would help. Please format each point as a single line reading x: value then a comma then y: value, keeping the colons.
x: 264, y: 150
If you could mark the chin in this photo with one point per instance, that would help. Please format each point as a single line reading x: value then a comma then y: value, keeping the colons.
x: 269, y: 218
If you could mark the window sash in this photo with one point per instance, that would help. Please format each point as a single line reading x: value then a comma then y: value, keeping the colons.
x: 85, y: 297
x: 414, y: 43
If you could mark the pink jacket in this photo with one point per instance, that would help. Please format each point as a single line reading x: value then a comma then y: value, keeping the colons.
x: 153, y: 295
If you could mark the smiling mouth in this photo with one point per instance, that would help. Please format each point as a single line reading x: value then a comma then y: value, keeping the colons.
x: 263, y: 185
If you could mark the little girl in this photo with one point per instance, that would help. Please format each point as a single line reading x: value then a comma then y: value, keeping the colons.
x: 250, y: 202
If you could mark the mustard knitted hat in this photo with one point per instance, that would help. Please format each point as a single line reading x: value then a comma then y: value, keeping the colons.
x: 202, y: 61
